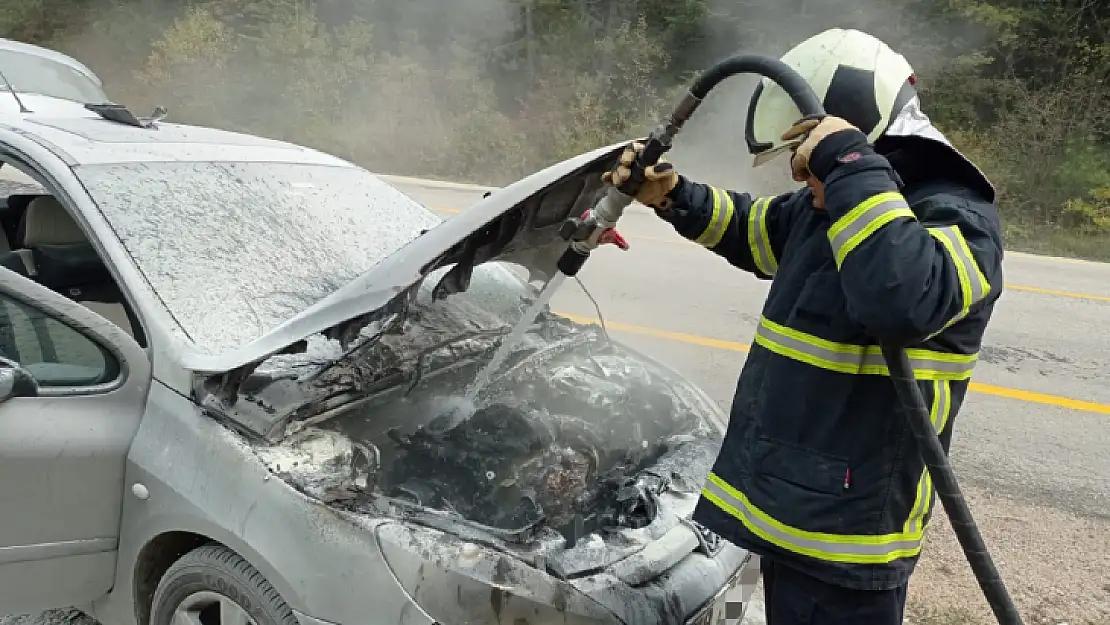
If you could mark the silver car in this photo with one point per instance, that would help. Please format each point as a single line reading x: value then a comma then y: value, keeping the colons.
x: 236, y: 389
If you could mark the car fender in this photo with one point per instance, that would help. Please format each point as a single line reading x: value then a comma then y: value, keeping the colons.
x: 189, y: 473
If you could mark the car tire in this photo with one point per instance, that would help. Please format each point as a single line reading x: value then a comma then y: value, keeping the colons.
x: 213, y: 585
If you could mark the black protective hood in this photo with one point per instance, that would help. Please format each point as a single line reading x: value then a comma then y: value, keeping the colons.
x: 916, y: 149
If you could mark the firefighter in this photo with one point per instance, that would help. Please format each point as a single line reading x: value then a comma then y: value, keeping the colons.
x: 896, y: 239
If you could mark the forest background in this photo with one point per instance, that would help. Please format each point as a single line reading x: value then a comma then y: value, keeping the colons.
x: 486, y: 91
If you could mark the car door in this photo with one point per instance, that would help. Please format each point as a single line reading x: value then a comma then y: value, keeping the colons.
x: 62, y: 451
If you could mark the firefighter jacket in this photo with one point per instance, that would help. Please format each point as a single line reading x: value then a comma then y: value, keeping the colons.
x: 819, y: 469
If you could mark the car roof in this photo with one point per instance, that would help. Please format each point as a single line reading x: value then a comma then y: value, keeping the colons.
x: 95, y: 141
x: 47, y: 53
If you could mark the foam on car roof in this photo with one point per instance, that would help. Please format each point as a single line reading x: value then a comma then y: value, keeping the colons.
x: 104, y: 131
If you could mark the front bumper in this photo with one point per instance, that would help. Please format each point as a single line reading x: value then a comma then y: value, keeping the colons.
x: 454, y: 582
x: 698, y: 590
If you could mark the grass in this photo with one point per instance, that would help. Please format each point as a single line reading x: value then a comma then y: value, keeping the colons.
x: 1057, y: 242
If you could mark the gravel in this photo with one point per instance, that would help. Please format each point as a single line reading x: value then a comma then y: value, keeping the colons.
x: 1056, y: 566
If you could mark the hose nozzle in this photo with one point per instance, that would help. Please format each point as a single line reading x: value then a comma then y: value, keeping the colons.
x: 596, y: 227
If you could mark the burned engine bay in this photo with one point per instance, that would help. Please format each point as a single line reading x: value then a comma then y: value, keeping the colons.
x: 573, y: 434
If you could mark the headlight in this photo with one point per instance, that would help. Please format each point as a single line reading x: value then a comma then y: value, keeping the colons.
x: 458, y: 583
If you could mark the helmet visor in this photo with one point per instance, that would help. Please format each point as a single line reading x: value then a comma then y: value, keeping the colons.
x: 769, y: 154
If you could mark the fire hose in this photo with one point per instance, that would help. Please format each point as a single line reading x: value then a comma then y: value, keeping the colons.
x: 586, y: 233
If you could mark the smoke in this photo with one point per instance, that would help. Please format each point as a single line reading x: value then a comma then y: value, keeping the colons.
x: 429, y: 88
x: 399, y: 87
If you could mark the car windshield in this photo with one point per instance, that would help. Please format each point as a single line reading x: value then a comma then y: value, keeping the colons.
x: 233, y: 249
x: 29, y: 73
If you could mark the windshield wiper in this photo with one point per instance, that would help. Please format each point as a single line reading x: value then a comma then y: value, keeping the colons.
x: 386, y: 328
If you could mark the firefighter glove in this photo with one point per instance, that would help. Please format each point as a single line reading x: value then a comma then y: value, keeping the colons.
x: 811, y: 130
x: 659, y: 179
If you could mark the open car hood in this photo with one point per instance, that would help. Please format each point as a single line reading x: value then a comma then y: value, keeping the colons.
x: 518, y: 224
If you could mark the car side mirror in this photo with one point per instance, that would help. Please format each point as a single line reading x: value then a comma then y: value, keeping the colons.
x: 15, y: 381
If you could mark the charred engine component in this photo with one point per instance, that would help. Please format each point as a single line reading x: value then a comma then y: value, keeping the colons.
x: 709, y: 543
x: 621, y: 405
x: 626, y: 498
x: 501, y: 466
x: 510, y: 466
x: 474, y: 440
x: 573, y: 440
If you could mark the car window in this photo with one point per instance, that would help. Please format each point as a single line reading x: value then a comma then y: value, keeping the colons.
x: 29, y: 73
x: 54, y: 353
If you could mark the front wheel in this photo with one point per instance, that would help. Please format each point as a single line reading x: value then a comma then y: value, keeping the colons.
x: 213, y: 585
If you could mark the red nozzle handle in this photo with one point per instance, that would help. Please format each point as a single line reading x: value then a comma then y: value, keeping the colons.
x: 610, y: 236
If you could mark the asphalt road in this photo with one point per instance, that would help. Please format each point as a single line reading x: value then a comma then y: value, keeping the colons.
x: 1035, y: 425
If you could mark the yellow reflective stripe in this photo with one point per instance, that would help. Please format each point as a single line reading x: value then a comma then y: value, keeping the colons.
x: 941, y: 410
x: 863, y: 220
x: 718, y: 222
x: 984, y: 285
x: 949, y: 324
x: 850, y: 548
x: 759, y: 240
x: 713, y: 219
x: 974, y: 286
x: 726, y: 219
x: 858, y: 359
x: 945, y: 413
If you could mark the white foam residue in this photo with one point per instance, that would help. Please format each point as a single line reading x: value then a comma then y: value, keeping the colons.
x: 317, y: 461
x: 319, y: 350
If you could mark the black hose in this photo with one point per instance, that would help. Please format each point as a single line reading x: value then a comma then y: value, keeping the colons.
x: 948, y: 490
x: 781, y: 73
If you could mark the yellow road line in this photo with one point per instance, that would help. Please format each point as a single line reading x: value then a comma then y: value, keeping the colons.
x: 681, y: 337
x: 1037, y: 289
x: 1039, y: 398
x: 736, y: 346
x: 1013, y: 287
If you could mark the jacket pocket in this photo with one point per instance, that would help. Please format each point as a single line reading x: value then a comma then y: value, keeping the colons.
x: 804, y: 468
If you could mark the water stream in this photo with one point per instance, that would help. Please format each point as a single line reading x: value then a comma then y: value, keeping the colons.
x: 519, y: 330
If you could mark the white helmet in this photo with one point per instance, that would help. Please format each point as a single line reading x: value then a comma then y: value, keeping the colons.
x: 855, y: 75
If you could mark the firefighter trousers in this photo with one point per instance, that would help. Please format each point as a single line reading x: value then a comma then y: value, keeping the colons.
x: 794, y: 598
